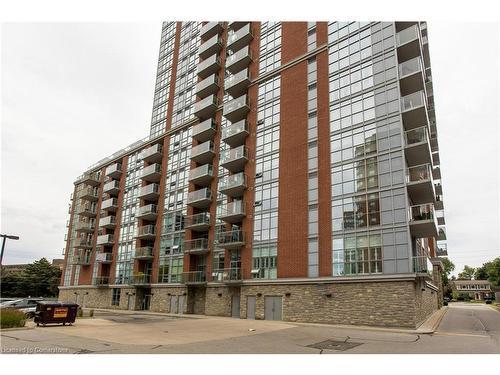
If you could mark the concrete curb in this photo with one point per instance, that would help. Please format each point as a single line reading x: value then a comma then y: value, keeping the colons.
x: 430, y: 325
x: 15, y: 329
x: 141, y: 312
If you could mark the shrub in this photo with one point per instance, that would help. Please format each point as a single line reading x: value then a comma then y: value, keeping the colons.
x: 10, y: 318
x: 445, y: 303
x: 79, y: 312
x: 488, y: 301
x: 91, y: 313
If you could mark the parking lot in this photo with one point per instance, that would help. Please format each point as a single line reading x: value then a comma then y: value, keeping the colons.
x: 464, y: 329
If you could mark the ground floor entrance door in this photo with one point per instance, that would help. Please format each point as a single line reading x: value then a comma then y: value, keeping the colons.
x: 181, y: 305
x: 173, y: 304
x: 235, y: 306
x: 273, y: 308
x: 251, y: 307
x: 130, y: 302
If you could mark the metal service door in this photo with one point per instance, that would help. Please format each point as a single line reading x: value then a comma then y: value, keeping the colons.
x: 181, y: 305
x: 235, y: 306
x: 173, y: 304
x: 273, y: 308
x: 251, y: 307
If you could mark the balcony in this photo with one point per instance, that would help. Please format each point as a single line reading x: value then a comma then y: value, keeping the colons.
x: 237, y: 109
x: 87, y: 211
x: 240, y: 38
x: 235, y: 134
x: 442, y: 250
x: 439, y: 188
x: 422, y: 264
x: 441, y: 234
x: 440, y: 217
x: 417, y: 146
x: 149, y: 192
x: 237, y: 85
x: 208, y: 86
x: 435, y: 158
x: 140, y: 279
x: 411, y: 76
x: 236, y: 25
x: 152, y: 154
x: 234, y: 159
x: 148, y: 212
x: 414, y: 112
x: 198, y: 222
x: 208, y: 66
x: 144, y: 253
x: 233, y: 185
x: 420, y: 184
x: 105, y: 240
x: 194, y: 277
x: 105, y: 258
x: 111, y: 187
x: 202, y: 175
x: 233, y: 239
x: 439, y: 205
x: 89, y: 194
x: 114, y: 170
x: 227, y: 275
x: 203, y: 153
x: 239, y: 60
x: 196, y: 246
x: 146, y: 232
x: 436, y: 173
x: 200, y: 198
x: 110, y: 204
x: 408, y: 43
x: 108, y: 222
x: 206, y: 108
x: 83, y: 243
x: 82, y: 258
x: 233, y: 212
x: 423, y: 222
x: 101, y: 281
x: 151, y: 173
x: 204, y: 131
x: 85, y: 227
x: 210, y: 29
x: 211, y: 46
x: 89, y: 178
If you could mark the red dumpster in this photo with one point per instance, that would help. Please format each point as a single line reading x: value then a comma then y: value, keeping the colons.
x: 48, y: 312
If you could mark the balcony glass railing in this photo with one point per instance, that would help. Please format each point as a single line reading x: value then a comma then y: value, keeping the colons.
x: 233, y: 154
x: 417, y: 135
x: 236, y: 207
x: 150, y: 151
x: 226, y: 274
x: 202, y: 171
x: 419, y: 173
x: 422, y: 264
x: 146, y: 230
x: 144, y: 252
x: 412, y: 101
x: 149, y: 189
x: 234, y: 129
x: 109, y: 203
x: 235, y: 57
x: 140, y: 279
x: 111, y: 185
x: 107, y: 220
x: 230, y: 237
x: 101, y: 280
x: 236, y: 78
x: 151, y: 169
x: 83, y: 242
x: 211, y: 80
x: 84, y: 226
x: 234, y: 36
x: 209, y: 44
x: 104, y: 257
x: 88, y: 192
x: 198, y: 244
x: 199, y: 195
x: 422, y: 212
x: 194, y: 277
x: 105, y: 239
x: 114, y: 168
x: 202, y: 148
x: 235, y: 180
x: 210, y: 27
x: 410, y: 67
x: 208, y: 62
x: 86, y: 209
x: 407, y: 35
x: 204, y: 126
x: 147, y: 209
x: 89, y: 177
x: 202, y: 218
x: 204, y: 103
x: 235, y: 104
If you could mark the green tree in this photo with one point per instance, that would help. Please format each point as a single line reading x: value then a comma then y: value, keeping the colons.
x: 467, y: 273
x: 38, y: 279
x: 493, y: 271
x: 448, y: 267
x: 482, y: 272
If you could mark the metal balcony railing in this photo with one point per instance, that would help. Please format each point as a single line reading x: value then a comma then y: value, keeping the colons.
x: 145, y: 252
x: 226, y: 275
x: 194, y: 277
x: 419, y: 173
x: 409, y: 67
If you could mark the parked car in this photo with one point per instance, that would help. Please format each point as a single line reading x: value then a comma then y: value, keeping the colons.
x: 26, y: 305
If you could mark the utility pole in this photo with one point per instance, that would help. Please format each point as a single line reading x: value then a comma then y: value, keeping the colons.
x: 5, y: 236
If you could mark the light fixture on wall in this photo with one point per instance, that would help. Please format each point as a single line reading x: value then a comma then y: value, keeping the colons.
x: 259, y: 294
x: 288, y: 294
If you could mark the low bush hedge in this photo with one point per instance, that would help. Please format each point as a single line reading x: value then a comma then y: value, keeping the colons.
x: 10, y: 318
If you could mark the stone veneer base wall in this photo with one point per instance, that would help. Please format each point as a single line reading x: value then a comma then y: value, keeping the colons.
x: 387, y: 303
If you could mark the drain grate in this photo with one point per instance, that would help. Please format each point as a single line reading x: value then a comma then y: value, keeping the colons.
x: 334, y: 345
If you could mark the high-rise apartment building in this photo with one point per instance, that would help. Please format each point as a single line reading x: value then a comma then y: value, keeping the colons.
x: 291, y: 172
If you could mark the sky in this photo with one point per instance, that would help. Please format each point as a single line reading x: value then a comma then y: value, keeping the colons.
x: 73, y: 93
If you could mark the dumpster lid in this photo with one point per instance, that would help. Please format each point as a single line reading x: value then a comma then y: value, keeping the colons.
x: 57, y: 303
